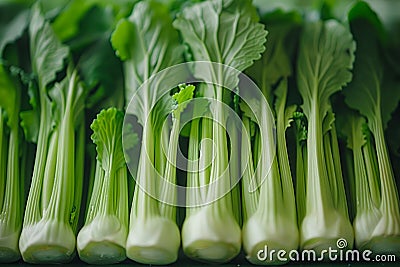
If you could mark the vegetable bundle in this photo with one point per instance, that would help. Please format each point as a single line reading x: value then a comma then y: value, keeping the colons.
x: 134, y: 129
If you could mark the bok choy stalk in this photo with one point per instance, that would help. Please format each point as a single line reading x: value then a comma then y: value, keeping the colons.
x: 12, y: 195
x: 301, y: 163
x: 225, y: 32
x: 11, y: 182
x: 147, y: 43
x: 269, y: 202
x: 102, y: 240
x: 374, y: 94
x: 157, y: 240
x: 325, y: 60
x: 52, y: 209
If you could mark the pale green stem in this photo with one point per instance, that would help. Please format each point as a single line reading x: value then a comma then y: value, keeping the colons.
x: 363, y: 194
x: 342, y: 202
x: 301, y: 171
x: 317, y: 183
x: 234, y: 169
x: 79, y: 175
x: 12, y: 206
x: 33, y: 211
x: 50, y: 170
x: 371, y: 163
x: 94, y: 203
x: 206, y: 157
x: 283, y: 157
x: 194, y: 195
x: 168, y: 191
x: 144, y: 205
x: 390, y: 198
x: 250, y: 193
x: 121, y: 195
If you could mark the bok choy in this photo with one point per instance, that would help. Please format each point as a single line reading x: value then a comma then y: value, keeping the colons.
x: 375, y: 95
x: 225, y: 32
x: 324, y: 65
x: 52, y: 209
x: 147, y: 43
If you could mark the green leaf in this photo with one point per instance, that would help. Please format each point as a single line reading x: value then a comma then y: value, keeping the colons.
x: 107, y: 78
x: 327, y: 123
x: 371, y: 92
x: 9, y: 94
x: 148, y: 43
x: 326, y: 56
x: 13, y: 30
x: 362, y: 10
x: 130, y: 139
x: 96, y: 24
x: 350, y: 124
x: 289, y: 114
x: 182, y: 98
x: 66, y: 24
x: 222, y: 31
x: 30, y: 125
x: 251, y: 110
x: 72, y: 20
x: 107, y: 135
x: 30, y: 119
x: 276, y: 60
x: 47, y: 53
x: 280, y: 104
x: 301, y: 126
x: 122, y: 39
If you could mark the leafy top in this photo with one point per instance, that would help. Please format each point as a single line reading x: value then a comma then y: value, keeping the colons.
x: 107, y: 135
x: 326, y: 56
x: 148, y: 43
x: 372, y: 93
x: 47, y: 52
x: 182, y: 97
x: 8, y: 96
x: 222, y: 31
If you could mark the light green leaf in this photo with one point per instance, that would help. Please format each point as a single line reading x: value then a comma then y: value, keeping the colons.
x: 251, y: 109
x: 148, y: 43
x: 68, y: 98
x: 30, y: 124
x: 69, y: 23
x: 107, y: 135
x: 221, y: 31
x: 276, y: 59
x: 47, y: 52
x: 182, y: 98
x: 122, y: 39
x: 130, y: 140
x: 66, y: 24
x: 30, y: 119
x: 328, y: 122
x: 301, y: 126
x: 280, y: 103
x: 289, y: 113
x: 326, y: 56
x: 9, y: 93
